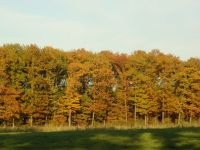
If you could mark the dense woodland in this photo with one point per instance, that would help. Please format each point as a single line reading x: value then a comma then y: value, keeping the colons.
x: 48, y: 86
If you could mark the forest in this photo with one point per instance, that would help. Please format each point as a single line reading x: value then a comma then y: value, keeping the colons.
x: 49, y: 86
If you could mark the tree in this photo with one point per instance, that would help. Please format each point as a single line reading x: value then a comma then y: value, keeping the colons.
x: 101, y: 90
x: 9, y: 105
x: 119, y: 111
x: 47, y: 85
x: 70, y: 102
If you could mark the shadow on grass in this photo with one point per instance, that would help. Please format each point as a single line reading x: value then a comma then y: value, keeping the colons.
x: 98, y: 139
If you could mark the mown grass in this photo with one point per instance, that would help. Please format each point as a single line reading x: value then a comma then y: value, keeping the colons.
x: 103, y: 139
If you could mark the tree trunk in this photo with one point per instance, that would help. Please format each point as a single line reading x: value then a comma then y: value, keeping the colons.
x: 126, y: 114
x: 190, y: 119
x: 4, y: 124
x: 93, y: 114
x: 70, y: 118
x: 104, y: 123
x: 145, y: 120
x: 163, y: 114
x: 125, y: 104
x: 31, y: 120
x: 179, y: 118
x: 46, y: 120
x: 135, y: 114
x: 13, y: 122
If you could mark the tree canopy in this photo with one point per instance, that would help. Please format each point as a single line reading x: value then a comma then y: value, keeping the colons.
x: 41, y: 86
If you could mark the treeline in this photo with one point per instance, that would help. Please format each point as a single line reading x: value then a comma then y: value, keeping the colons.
x: 40, y: 86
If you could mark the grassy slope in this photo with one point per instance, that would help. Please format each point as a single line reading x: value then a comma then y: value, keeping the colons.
x: 103, y: 139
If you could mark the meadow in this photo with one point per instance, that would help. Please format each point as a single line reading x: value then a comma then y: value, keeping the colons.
x: 102, y: 139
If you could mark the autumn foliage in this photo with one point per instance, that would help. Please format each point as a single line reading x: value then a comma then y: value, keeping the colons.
x: 41, y: 86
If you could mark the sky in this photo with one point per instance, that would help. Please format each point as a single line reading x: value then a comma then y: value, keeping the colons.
x: 172, y: 26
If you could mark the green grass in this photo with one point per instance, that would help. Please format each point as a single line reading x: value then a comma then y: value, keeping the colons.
x: 104, y: 139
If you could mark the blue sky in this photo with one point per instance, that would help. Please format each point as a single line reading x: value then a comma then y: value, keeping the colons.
x: 173, y: 26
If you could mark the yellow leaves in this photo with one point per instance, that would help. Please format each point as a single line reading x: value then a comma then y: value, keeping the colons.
x: 97, y: 106
x: 77, y: 69
x: 53, y: 82
x: 71, y: 99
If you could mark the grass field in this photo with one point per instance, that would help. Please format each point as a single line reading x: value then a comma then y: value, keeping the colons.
x: 103, y: 139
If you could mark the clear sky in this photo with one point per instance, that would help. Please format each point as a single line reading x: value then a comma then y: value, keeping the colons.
x: 173, y: 26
